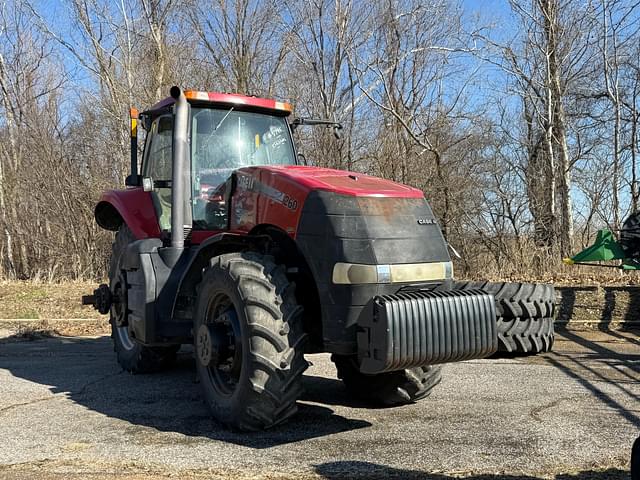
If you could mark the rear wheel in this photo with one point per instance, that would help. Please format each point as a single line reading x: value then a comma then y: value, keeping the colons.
x: 132, y: 356
x: 249, y: 341
x: 388, y: 388
x: 525, y: 314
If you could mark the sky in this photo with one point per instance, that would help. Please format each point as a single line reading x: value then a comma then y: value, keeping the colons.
x: 495, y: 14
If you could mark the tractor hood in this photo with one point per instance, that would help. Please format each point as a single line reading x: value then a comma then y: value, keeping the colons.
x: 344, y: 182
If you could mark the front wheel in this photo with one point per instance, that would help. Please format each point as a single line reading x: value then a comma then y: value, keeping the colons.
x: 388, y: 388
x: 249, y: 341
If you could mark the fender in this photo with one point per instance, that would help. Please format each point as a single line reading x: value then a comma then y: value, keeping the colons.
x: 218, y: 244
x: 132, y: 207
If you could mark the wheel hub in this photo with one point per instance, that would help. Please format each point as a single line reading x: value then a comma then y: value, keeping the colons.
x: 205, y: 346
x: 218, y: 344
x: 119, y: 301
x: 101, y: 299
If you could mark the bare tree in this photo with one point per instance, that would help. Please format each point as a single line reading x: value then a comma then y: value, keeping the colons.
x: 242, y: 40
x: 321, y: 34
x: 549, y: 61
x: 27, y: 82
x: 410, y: 70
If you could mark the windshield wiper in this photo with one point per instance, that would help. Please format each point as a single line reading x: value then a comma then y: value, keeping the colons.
x: 210, y: 135
x: 223, y: 119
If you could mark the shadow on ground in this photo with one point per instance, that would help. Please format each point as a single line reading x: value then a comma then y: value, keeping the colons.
x: 84, y: 370
x: 600, y: 306
x: 371, y: 471
x: 588, y: 369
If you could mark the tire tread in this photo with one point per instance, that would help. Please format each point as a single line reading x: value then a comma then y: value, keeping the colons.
x: 525, y: 314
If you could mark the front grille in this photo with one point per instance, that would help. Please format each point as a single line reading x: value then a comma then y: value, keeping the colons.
x: 411, y: 329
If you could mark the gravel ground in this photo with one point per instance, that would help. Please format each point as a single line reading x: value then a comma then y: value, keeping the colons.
x: 67, y: 411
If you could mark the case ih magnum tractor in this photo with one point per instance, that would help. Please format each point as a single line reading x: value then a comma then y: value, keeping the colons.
x: 225, y: 242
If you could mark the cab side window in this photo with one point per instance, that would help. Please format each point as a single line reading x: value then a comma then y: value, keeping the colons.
x: 158, y: 164
x: 158, y: 167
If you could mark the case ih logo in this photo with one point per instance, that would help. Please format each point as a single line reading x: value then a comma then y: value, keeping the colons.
x: 426, y: 221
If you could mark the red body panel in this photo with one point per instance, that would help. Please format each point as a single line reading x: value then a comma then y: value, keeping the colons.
x: 275, y: 195
x: 265, y: 195
x: 345, y: 182
x: 283, y: 212
x: 135, y: 206
x: 222, y: 99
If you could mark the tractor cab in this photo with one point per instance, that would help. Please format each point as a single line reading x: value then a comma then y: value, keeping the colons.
x: 225, y: 132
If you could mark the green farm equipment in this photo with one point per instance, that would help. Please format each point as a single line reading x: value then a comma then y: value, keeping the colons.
x: 626, y: 247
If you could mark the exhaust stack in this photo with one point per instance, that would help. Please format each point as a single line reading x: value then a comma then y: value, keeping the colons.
x: 181, y: 175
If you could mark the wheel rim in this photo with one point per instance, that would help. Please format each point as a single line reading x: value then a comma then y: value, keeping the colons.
x: 224, y: 361
x: 119, y: 312
x: 124, y: 338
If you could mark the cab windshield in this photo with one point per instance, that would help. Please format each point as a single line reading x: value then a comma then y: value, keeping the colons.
x: 223, y: 140
x: 232, y: 139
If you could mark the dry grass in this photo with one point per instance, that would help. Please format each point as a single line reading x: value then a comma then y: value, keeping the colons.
x: 39, y: 300
x: 44, y: 302
x: 523, y: 261
x: 31, y: 331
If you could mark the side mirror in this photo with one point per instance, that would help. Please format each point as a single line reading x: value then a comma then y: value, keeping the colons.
x: 337, y: 131
x: 145, y: 121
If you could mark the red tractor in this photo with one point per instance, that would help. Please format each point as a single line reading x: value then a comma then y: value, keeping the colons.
x: 226, y: 242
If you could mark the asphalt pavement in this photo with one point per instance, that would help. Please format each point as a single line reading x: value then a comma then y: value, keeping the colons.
x: 68, y: 411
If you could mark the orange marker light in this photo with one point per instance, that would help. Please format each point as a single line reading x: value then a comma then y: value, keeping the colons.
x: 133, y: 115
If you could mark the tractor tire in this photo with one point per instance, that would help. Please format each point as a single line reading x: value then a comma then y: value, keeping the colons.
x: 517, y: 300
x: 525, y: 314
x: 132, y: 356
x: 525, y: 335
x: 389, y: 388
x: 249, y: 339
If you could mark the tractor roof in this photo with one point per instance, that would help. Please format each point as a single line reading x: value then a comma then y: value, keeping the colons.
x: 228, y: 99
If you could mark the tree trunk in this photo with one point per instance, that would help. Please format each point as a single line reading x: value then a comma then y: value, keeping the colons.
x: 556, y: 130
x: 634, y: 144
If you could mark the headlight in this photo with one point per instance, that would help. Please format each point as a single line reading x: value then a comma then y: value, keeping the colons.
x: 354, y: 273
